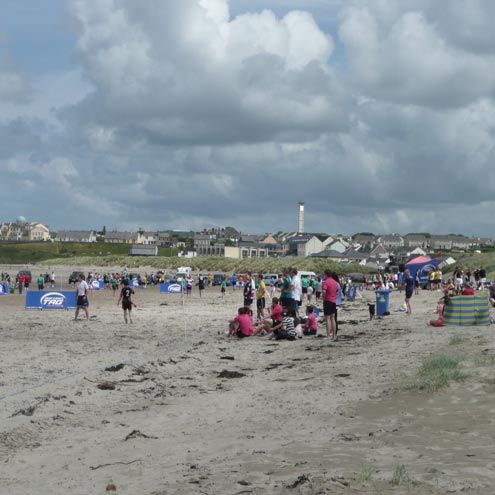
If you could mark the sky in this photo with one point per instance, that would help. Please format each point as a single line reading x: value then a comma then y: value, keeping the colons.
x: 159, y: 114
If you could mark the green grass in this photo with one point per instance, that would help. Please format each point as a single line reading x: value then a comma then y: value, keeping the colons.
x: 400, y: 476
x: 20, y: 253
x: 436, y: 373
x: 456, y: 340
x: 485, y: 360
x: 366, y: 473
x: 473, y: 261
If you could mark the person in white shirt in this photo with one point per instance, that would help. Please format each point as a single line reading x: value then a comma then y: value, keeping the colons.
x: 297, y: 289
x: 82, y: 297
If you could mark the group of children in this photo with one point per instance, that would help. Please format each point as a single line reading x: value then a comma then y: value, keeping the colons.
x: 283, y: 323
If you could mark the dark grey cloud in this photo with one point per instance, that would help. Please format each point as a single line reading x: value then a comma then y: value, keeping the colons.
x: 190, y: 116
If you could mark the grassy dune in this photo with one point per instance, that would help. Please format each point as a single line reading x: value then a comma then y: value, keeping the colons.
x: 23, y: 253
x: 473, y: 261
x: 263, y: 265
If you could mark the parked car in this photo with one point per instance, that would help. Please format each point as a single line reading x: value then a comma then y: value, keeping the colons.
x: 74, y: 276
x: 270, y: 278
x: 217, y: 278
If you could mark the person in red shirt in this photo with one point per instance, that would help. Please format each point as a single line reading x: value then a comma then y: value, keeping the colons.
x: 242, y: 324
x: 467, y: 291
x: 330, y: 290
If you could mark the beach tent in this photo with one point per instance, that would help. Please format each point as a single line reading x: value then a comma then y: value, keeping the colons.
x: 422, y: 265
x: 467, y: 310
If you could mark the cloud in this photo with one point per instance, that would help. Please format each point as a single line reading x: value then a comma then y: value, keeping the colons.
x: 397, y: 52
x: 183, y: 72
x: 13, y: 86
x: 185, y: 113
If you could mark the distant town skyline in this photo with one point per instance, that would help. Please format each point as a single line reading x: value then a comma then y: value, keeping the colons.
x: 378, y: 114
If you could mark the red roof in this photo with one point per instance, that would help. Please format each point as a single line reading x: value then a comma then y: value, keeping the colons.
x: 419, y: 260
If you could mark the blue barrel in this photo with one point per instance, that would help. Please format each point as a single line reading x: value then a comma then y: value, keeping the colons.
x: 351, y: 293
x: 382, y: 302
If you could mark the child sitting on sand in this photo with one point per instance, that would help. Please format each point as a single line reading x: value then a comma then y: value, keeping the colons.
x: 440, y: 321
x: 242, y: 325
x: 286, y: 329
x: 310, y: 326
x: 267, y: 324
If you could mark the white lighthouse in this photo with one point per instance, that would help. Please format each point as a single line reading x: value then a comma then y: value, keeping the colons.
x: 301, y: 218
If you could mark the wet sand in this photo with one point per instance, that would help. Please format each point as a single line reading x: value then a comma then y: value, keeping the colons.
x: 194, y: 412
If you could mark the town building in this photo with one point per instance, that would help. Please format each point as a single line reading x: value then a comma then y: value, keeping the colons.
x: 121, y: 237
x: 76, y: 236
x: 246, y: 250
x: 23, y: 231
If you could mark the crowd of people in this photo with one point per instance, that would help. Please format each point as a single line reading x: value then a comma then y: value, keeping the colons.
x: 284, y: 320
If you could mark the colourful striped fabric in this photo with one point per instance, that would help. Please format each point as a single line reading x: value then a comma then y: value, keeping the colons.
x: 467, y: 310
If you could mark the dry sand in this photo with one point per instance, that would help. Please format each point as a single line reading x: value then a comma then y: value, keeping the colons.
x: 302, y: 417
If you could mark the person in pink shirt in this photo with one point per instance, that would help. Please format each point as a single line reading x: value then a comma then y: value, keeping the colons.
x: 330, y: 289
x: 275, y: 319
x: 242, y: 324
x: 310, y: 323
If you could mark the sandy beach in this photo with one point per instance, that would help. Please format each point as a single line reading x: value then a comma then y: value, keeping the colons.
x: 193, y: 412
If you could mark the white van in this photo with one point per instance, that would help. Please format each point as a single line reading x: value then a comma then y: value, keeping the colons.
x: 306, y: 274
x: 184, y: 270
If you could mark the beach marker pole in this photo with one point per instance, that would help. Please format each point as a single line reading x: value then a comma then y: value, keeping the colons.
x: 184, y: 314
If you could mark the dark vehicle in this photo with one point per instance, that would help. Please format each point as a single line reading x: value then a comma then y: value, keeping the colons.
x: 27, y: 274
x: 74, y: 276
x: 217, y: 278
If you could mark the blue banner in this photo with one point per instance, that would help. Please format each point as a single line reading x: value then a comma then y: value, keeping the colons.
x: 97, y: 285
x: 134, y: 283
x: 4, y: 289
x: 50, y: 300
x: 170, y: 288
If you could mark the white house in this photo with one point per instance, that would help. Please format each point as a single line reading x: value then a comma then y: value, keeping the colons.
x: 338, y: 246
x: 147, y: 238
x: 76, y: 236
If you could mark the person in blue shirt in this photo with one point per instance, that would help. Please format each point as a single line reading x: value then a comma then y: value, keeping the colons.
x: 409, y: 283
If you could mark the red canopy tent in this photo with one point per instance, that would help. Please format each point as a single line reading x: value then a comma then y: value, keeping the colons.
x: 419, y: 260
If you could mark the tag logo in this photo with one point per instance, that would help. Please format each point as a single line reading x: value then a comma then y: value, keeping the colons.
x: 52, y: 300
x: 175, y: 288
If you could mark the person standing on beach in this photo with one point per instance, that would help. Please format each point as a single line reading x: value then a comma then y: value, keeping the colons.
x: 318, y: 288
x: 113, y: 283
x: 330, y: 289
x: 305, y: 284
x: 127, y: 302
x: 260, y: 297
x: 223, y: 286
x: 21, y: 280
x: 82, y: 297
x: 286, y: 291
x: 249, y: 291
x: 41, y: 282
x: 296, y: 291
x: 201, y: 285
x: 409, y: 283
